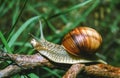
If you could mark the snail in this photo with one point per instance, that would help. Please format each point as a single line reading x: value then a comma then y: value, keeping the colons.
x: 79, y: 41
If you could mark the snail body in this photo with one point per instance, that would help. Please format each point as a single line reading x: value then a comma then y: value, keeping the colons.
x: 60, y: 54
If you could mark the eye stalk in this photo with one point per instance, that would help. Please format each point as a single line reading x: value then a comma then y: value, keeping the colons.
x: 33, y: 42
x: 41, y: 31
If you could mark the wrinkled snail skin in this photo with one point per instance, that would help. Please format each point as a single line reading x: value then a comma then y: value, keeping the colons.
x: 61, y: 54
x: 58, y: 54
x: 82, y: 39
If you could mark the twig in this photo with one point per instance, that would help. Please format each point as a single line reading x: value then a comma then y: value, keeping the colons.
x: 102, y: 71
x: 31, y: 61
x: 74, y: 70
x: 10, y: 70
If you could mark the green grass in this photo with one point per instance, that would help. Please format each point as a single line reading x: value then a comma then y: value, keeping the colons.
x: 18, y: 19
x: 4, y: 41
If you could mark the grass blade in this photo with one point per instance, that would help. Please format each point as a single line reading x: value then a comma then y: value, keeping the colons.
x: 5, y: 43
x: 71, y: 9
x: 21, y: 29
x: 52, y: 72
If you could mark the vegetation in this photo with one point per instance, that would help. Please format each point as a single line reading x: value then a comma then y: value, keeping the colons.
x: 21, y: 17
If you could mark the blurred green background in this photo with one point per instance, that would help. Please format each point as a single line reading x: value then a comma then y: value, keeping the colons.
x: 20, y: 17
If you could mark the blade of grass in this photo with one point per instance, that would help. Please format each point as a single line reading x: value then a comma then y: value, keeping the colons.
x: 1, y: 8
x: 50, y: 5
x: 32, y: 8
x: 78, y: 21
x: 71, y: 9
x: 82, y: 18
x: 5, y: 9
x: 5, y: 43
x: 32, y: 75
x: 50, y: 25
x: 15, y: 13
x: 20, y: 30
x: 12, y: 29
x: 52, y: 72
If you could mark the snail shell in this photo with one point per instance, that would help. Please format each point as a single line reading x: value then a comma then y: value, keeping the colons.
x: 82, y: 40
x: 58, y: 53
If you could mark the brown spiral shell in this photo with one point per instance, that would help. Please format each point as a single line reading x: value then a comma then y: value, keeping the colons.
x: 83, y: 40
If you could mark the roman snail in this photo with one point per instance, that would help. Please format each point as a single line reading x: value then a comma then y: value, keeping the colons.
x: 78, y: 46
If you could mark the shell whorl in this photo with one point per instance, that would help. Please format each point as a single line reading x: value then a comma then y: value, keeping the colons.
x: 82, y: 39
